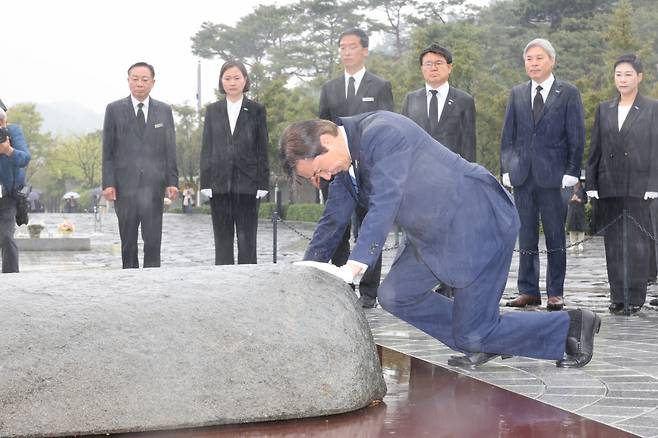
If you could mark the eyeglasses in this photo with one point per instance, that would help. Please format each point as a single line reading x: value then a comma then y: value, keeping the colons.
x: 430, y: 64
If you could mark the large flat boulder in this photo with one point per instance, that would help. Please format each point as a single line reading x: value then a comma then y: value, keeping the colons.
x: 85, y: 352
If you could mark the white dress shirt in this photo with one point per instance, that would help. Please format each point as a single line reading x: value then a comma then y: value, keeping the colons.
x: 358, y: 76
x: 441, y: 95
x: 545, y: 89
x: 233, y: 110
x: 622, y: 112
x: 145, y: 108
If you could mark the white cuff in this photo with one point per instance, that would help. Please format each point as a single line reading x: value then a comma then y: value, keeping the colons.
x: 506, y: 181
x: 206, y: 192
x: 593, y: 194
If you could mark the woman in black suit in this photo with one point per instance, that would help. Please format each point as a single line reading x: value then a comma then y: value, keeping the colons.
x: 234, y: 165
x: 622, y: 173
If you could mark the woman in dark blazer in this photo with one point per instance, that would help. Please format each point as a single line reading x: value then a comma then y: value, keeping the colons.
x: 234, y: 165
x: 622, y: 173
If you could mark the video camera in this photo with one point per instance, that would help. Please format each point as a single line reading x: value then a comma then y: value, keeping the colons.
x: 4, y: 133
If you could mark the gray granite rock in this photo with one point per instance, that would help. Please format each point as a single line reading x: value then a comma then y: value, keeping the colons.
x: 114, y: 351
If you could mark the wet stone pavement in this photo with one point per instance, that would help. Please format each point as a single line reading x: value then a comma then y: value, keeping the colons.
x: 619, y: 387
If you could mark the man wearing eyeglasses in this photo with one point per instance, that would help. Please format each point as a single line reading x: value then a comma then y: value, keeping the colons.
x: 445, y: 112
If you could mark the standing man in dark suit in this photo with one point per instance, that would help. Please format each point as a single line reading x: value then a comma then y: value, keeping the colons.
x: 356, y: 91
x: 460, y: 227
x: 139, y: 165
x: 540, y: 153
x: 446, y: 113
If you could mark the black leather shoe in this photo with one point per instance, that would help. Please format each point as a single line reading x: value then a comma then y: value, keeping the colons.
x: 555, y: 303
x: 616, y: 308
x: 445, y: 290
x: 654, y: 302
x: 367, y: 302
x: 524, y: 300
x: 634, y: 309
x: 474, y: 359
x: 580, y: 345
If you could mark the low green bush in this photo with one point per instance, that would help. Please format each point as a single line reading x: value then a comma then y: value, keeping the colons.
x: 303, y: 212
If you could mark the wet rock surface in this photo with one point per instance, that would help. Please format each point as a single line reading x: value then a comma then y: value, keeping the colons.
x: 98, y: 350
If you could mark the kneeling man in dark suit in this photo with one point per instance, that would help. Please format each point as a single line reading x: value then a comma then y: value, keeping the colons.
x: 460, y: 226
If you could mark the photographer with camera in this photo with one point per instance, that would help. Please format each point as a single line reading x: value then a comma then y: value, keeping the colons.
x: 13, y: 156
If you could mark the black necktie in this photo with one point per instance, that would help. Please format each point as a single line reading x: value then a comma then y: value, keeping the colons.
x: 141, y: 121
x: 537, y: 104
x: 350, y: 90
x: 434, y: 111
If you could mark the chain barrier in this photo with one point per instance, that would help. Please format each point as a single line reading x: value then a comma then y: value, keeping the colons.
x: 520, y: 251
x: 299, y: 233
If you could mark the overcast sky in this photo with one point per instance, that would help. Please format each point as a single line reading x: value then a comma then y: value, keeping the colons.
x: 79, y: 50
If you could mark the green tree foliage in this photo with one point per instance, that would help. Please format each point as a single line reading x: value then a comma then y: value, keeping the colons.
x: 76, y: 161
x: 189, y: 131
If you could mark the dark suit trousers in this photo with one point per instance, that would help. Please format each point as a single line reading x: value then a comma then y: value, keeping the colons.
x: 142, y: 207
x: 239, y: 212
x: 370, y: 280
x: 471, y: 322
x: 342, y: 251
x: 532, y: 202
x: 7, y: 227
x: 637, y: 245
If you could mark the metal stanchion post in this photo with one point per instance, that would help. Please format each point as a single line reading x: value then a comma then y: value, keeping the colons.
x: 275, y: 220
x: 624, y: 235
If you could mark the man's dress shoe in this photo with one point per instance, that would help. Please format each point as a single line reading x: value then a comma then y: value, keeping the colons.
x: 445, y: 290
x: 524, y: 300
x: 555, y: 303
x: 580, y: 346
x: 654, y: 302
x: 619, y: 309
x: 367, y: 302
x: 474, y: 359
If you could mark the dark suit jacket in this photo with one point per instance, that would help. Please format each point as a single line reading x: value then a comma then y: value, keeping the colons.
x: 456, y: 124
x: 238, y: 162
x: 624, y: 163
x: 554, y: 146
x: 130, y: 159
x: 454, y: 213
x: 374, y: 93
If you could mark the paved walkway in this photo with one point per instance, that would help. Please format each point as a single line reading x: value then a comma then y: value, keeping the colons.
x: 619, y: 387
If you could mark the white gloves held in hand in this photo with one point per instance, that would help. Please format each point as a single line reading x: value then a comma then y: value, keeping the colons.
x: 344, y: 272
x: 567, y: 180
x: 647, y: 195
x: 259, y: 193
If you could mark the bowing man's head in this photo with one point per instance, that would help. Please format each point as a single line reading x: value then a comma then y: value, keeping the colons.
x: 314, y: 149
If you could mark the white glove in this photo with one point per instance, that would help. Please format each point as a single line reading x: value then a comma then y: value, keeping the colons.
x: 593, y: 194
x: 206, y: 192
x: 261, y: 194
x: 344, y: 272
x: 506, y: 181
x: 569, y: 181
x: 650, y: 195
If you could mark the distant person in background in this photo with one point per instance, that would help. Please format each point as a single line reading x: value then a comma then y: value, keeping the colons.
x: 540, y: 153
x: 139, y: 165
x: 356, y: 91
x: 14, y: 156
x: 445, y: 112
x: 188, y: 199
x: 576, y: 220
x: 235, y: 171
x: 622, y: 173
